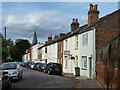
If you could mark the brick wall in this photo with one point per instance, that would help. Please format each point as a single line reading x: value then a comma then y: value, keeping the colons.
x: 108, y: 64
x: 60, y: 54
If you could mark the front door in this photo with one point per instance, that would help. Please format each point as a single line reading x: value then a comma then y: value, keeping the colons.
x: 90, y: 73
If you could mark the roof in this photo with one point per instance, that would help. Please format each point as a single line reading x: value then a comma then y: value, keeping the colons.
x: 81, y: 29
x: 98, y: 22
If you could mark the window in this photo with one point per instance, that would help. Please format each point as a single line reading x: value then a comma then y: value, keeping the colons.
x: 84, y: 59
x: 66, y: 44
x: 76, y: 61
x: 85, y: 38
x: 77, y: 41
x: 46, y: 50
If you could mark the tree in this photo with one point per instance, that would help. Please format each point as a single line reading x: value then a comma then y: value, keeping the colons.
x: 19, y: 49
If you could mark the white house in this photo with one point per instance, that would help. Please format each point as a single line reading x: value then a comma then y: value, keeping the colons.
x: 35, y: 52
x: 87, y: 53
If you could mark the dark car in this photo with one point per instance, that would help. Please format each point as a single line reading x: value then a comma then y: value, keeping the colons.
x: 42, y: 67
x: 4, y: 79
x: 36, y: 66
x: 53, y: 68
x: 28, y: 64
x: 24, y: 64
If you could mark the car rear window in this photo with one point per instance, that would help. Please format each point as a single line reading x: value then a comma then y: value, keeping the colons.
x: 57, y: 65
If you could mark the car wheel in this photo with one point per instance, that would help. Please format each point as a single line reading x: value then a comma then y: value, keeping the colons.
x: 9, y: 84
x: 21, y: 77
x: 49, y: 72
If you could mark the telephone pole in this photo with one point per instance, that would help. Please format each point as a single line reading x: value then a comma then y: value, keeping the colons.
x: 5, y: 39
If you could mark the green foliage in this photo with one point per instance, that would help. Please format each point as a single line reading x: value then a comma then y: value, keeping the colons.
x: 4, y: 53
x: 18, y: 50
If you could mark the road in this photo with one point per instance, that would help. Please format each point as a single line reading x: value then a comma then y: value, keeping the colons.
x: 36, y: 79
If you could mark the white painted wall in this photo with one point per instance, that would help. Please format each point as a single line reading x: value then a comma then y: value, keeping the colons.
x: 71, y: 46
x: 87, y: 50
x: 52, y: 53
x: 35, y: 52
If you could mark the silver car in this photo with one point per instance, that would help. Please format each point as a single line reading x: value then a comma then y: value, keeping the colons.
x: 4, y: 80
x: 13, y: 69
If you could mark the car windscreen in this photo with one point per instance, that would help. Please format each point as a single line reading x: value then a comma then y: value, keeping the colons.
x: 33, y: 63
x: 7, y: 66
x: 44, y: 64
x: 38, y: 63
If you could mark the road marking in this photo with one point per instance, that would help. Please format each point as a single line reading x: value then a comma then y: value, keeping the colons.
x: 78, y: 86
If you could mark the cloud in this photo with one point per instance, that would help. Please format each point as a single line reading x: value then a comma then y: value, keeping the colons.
x: 44, y: 22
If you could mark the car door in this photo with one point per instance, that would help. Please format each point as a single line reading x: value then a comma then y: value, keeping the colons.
x: 19, y: 70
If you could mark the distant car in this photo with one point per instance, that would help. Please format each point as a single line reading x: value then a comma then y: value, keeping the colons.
x: 36, y: 66
x: 53, y: 68
x: 28, y: 64
x: 42, y: 67
x: 32, y: 65
x: 4, y: 79
x: 13, y: 69
x: 23, y: 64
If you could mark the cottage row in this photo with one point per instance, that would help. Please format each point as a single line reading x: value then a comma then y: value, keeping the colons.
x: 78, y: 47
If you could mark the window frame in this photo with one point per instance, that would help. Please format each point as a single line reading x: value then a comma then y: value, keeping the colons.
x: 85, y: 39
x: 84, y: 60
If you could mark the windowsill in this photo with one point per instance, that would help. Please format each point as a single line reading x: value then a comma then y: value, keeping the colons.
x: 76, y: 48
x: 83, y: 68
x: 65, y: 67
x: 85, y: 44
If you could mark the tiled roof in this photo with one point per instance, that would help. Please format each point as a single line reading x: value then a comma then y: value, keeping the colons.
x: 81, y: 29
x: 98, y: 22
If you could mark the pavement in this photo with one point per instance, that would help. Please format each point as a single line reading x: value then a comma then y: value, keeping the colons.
x: 84, y: 82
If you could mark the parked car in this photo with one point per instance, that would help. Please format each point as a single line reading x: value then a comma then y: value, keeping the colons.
x: 42, y: 67
x: 4, y: 79
x: 13, y: 69
x: 24, y: 64
x: 36, y: 66
x: 28, y: 64
x: 53, y: 68
x: 32, y: 65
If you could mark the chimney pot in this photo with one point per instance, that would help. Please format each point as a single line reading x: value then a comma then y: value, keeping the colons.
x: 73, y: 20
x: 76, y: 20
x: 50, y: 35
x: 95, y: 7
x: 91, y: 7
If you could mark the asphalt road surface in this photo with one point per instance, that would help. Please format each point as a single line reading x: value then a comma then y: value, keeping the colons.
x: 36, y: 79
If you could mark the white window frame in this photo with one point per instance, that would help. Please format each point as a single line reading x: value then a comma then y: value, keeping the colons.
x: 85, y: 39
x: 84, y: 59
x: 76, y: 41
x: 76, y: 61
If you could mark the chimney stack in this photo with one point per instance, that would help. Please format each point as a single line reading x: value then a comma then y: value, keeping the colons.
x: 93, y: 14
x: 62, y: 34
x: 50, y: 38
x: 74, y: 25
x: 56, y: 36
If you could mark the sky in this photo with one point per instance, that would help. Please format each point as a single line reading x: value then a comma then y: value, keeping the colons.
x: 23, y: 18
